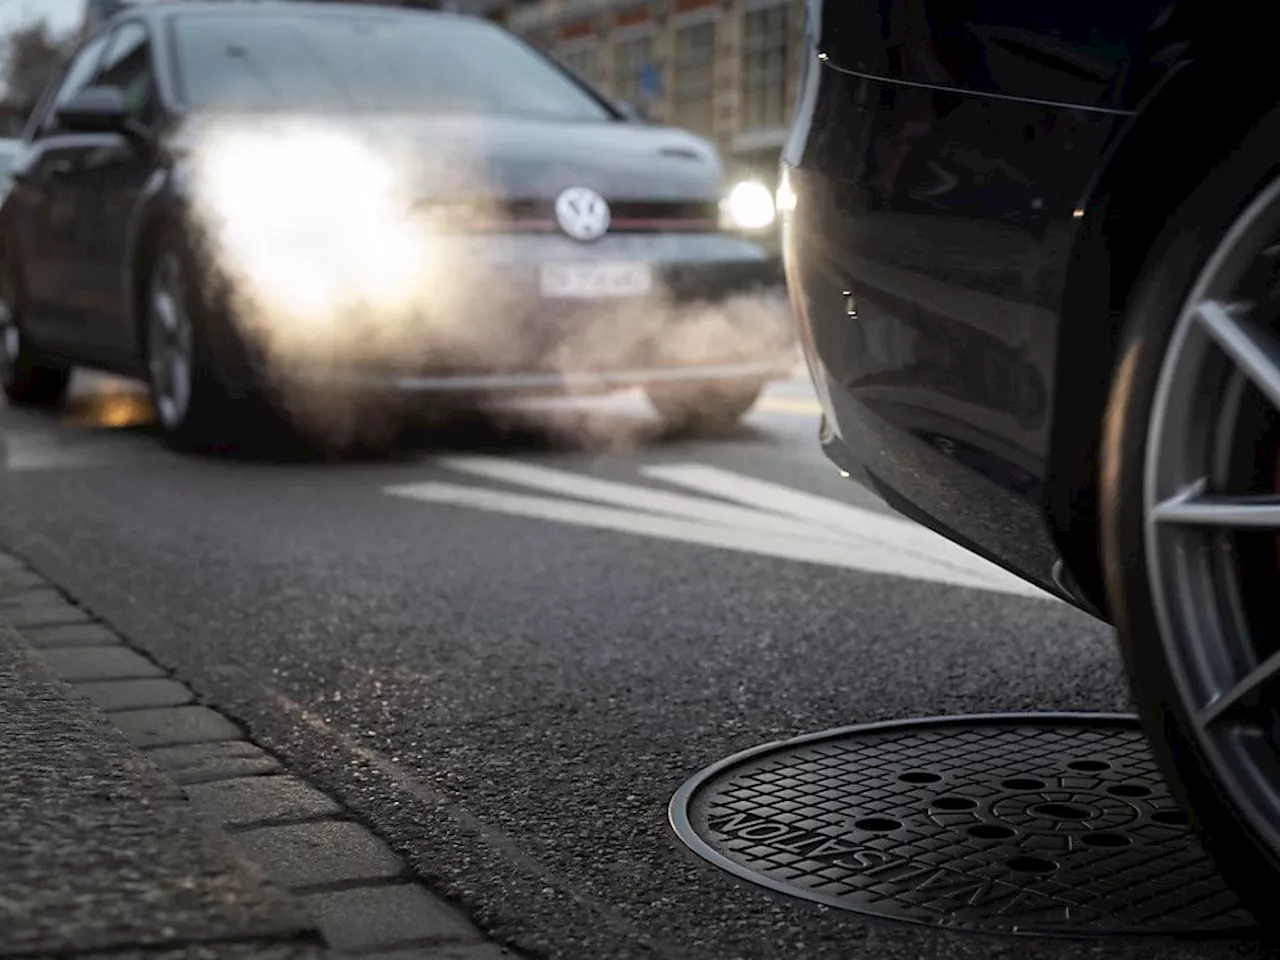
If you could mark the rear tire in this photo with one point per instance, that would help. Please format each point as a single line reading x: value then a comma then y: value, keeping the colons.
x: 702, y: 406
x: 1153, y: 628
x: 27, y: 378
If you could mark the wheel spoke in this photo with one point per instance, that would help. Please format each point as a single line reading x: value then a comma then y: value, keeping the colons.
x: 1194, y: 508
x: 1242, y: 693
x: 179, y: 380
x: 1250, y: 347
x: 182, y: 332
x: 163, y: 306
x: 171, y: 341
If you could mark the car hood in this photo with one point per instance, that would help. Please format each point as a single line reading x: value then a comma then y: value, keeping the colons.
x: 504, y: 158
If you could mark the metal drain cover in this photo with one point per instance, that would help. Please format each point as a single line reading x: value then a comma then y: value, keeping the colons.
x: 1023, y: 823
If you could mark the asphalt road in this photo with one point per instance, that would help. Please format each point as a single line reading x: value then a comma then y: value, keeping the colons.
x: 507, y: 670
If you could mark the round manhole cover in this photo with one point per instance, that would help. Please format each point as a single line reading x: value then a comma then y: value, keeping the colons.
x: 1037, y: 824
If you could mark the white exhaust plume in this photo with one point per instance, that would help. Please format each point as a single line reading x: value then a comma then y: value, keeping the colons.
x: 331, y: 250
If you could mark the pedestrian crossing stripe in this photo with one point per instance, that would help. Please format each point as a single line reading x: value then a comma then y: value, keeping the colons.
x: 730, y: 511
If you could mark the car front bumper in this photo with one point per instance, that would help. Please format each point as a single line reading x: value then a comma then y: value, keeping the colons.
x: 580, y: 382
x: 716, y: 311
x: 686, y: 266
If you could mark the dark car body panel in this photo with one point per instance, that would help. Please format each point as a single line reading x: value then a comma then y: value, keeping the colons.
x: 1098, y: 54
x: 85, y: 205
x: 951, y: 168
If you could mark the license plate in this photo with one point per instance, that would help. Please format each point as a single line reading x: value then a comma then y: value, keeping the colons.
x: 596, y: 280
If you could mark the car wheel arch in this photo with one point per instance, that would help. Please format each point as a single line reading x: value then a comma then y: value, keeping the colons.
x: 148, y: 237
x: 1125, y: 211
x: 159, y: 207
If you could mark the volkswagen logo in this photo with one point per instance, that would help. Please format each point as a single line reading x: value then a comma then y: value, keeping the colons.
x: 583, y: 214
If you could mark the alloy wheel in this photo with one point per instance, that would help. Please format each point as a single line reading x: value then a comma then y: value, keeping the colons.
x: 169, y: 341
x: 1212, y: 513
x: 10, y: 337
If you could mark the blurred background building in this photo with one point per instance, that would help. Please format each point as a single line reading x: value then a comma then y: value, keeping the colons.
x: 726, y: 69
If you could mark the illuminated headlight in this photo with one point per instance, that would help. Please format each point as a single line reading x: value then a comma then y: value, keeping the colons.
x: 312, y: 219
x: 749, y: 206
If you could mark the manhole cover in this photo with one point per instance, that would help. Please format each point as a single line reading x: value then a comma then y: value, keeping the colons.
x: 1041, y: 823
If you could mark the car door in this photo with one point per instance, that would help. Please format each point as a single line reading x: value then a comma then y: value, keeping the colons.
x: 108, y: 184
x: 42, y: 218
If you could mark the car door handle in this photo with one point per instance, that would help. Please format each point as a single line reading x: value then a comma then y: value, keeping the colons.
x: 57, y: 169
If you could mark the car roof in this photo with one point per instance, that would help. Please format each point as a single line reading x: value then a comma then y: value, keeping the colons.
x: 166, y: 9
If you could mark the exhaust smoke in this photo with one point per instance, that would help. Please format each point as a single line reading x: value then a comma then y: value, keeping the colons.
x: 344, y: 257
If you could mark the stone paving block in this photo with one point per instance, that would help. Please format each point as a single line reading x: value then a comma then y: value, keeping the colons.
x: 252, y: 950
x: 261, y: 800
x: 369, y: 918
x: 17, y: 579
x: 453, y: 951
x: 116, y: 695
x: 71, y: 635
x: 98, y: 852
x: 43, y: 615
x: 31, y: 597
x: 170, y: 726
x: 87, y: 664
x: 314, y: 854
x: 208, y: 762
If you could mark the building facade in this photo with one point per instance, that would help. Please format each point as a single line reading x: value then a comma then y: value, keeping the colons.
x: 726, y: 69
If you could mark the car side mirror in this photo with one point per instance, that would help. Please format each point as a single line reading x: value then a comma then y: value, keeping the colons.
x: 95, y: 110
x: 630, y: 112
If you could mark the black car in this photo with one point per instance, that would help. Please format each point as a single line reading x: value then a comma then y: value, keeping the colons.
x: 260, y: 207
x: 1034, y: 252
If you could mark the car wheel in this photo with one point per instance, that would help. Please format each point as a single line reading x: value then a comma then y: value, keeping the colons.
x: 688, y: 407
x: 27, y: 378
x: 194, y: 404
x: 1190, y: 509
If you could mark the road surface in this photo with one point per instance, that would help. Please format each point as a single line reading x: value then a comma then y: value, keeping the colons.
x: 505, y: 651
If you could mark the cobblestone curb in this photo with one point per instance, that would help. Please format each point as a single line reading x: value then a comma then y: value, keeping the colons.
x: 361, y: 893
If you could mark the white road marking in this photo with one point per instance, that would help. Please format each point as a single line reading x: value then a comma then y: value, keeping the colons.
x: 775, y: 521
x: 894, y: 532
x: 790, y: 406
x: 48, y: 450
x: 632, y: 404
x: 853, y: 553
x: 624, y: 404
x: 628, y: 495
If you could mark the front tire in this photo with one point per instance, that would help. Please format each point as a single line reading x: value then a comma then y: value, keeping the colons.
x: 1189, y: 476
x: 196, y: 406
x: 27, y: 378
x: 698, y: 407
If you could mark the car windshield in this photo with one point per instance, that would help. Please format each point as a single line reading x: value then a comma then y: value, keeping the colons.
x: 344, y: 63
x: 8, y: 153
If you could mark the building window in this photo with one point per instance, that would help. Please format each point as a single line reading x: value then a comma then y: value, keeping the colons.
x: 765, y: 43
x: 629, y: 59
x: 584, y: 61
x: 694, y: 80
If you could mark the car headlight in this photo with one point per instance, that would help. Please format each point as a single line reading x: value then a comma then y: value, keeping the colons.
x: 749, y: 206
x: 300, y: 248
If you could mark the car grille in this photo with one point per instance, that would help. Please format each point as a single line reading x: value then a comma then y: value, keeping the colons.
x: 538, y: 216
